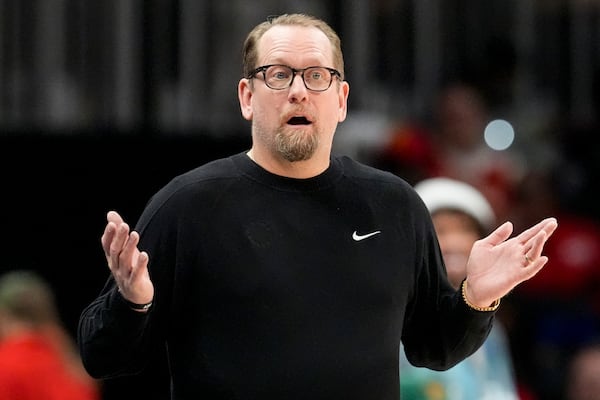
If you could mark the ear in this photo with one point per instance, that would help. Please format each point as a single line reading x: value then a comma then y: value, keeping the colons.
x: 343, y: 92
x: 245, y: 98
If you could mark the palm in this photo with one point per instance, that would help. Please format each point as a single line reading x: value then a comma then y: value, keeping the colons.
x: 497, y: 264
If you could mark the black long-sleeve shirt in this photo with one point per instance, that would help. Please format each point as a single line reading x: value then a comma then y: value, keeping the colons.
x: 269, y: 287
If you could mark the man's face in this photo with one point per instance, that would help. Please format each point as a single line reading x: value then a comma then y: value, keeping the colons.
x: 293, y: 123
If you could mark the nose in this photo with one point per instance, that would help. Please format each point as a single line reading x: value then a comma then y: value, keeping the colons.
x: 298, y: 90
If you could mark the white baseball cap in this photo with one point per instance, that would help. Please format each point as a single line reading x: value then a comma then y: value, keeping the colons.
x: 445, y: 193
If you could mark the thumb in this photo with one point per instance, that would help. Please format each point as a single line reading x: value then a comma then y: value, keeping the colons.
x: 499, y: 235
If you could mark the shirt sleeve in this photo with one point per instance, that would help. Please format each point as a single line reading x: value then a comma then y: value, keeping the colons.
x: 440, y: 329
x: 111, y: 336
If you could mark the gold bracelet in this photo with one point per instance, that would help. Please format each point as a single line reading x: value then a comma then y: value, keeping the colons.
x: 493, y: 307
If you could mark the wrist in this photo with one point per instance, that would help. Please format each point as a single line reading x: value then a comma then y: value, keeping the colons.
x: 493, y: 307
x: 139, y: 307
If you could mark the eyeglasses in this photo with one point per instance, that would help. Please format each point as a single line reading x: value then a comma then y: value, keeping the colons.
x: 279, y: 77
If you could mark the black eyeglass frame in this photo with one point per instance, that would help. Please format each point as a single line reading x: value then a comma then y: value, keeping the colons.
x: 334, y: 73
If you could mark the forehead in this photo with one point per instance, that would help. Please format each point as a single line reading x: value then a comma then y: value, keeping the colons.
x: 454, y: 220
x: 294, y: 44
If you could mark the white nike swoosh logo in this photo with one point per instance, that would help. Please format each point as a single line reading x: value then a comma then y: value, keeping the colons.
x: 358, y: 237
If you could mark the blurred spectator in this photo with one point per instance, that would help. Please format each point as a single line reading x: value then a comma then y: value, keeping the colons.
x: 409, y: 152
x: 38, y: 358
x: 461, y: 216
x: 583, y: 374
x: 453, y: 145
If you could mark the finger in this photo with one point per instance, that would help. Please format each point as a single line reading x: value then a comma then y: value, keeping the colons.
x: 550, y: 227
x: 547, y: 224
x: 111, y: 232
x: 537, y: 245
x: 116, y: 246
x: 141, y: 266
x: 113, y: 221
x: 107, y: 237
x: 130, y: 254
x: 534, y: 267
x: 499, y: 235
x: 113, y: 216
x: 121, y: 236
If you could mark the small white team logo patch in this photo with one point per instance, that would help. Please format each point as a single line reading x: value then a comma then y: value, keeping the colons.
x: 358, y: 237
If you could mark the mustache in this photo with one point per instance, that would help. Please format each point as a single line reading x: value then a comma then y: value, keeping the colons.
x: 296, y: 112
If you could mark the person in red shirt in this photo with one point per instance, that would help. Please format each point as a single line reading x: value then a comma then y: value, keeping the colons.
x: 38, y: 360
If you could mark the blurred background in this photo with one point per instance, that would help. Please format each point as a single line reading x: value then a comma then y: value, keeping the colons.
x: 103, y: 101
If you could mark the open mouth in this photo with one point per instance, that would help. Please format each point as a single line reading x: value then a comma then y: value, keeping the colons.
x: 298, y: 121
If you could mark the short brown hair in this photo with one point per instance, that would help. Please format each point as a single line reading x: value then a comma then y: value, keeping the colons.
x: 250, y: 52
x: 26, y: 296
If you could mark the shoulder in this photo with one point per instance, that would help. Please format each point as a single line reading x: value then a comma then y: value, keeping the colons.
x: 219, y: 169
x: 207, y: 176
x: 365, y: 175
x: 358, y: 170
x: 184, y: 192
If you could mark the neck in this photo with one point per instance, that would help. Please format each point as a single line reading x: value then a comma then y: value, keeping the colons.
x: 290, y: 169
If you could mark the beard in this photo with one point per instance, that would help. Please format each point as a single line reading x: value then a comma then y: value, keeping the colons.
x: 295, y: 145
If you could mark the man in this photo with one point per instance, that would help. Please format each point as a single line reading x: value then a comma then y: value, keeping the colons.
x: 284, y: 272
x: 461, y: 215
